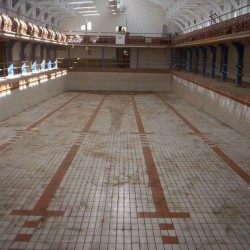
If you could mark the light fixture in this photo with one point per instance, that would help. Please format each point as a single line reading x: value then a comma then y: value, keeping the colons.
x: 118, y: 5
x: 80, y: 2
x: 94, y: 14
x: 87, y: 11
x: 89, y: 7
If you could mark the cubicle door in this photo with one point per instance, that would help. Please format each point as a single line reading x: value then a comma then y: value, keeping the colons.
x: 3, y: 59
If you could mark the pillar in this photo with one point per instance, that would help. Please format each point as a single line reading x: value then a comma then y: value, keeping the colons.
x: 55, y: 66
x: 240, y: 50
x: 42, y: 48
x: 10, y: 45
x: 196, y: 66
x: 69, y: 57
x: 23, y: 59
x: 224, y: 61
x: 190, y: 66
x: 184, y: 66
x: 49, y: 58
x: 213, y: 60
x: 137, y: 58
x: 103, y: 57
x: 204, y: 60
x: 33, y: 57
x: 172, y: 59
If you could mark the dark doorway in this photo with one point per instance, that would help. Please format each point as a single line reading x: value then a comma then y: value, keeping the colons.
x: 3, y: 59
x: 123, y: 58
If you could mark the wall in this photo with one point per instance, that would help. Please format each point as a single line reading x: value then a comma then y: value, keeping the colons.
x: 153, y: 58
x: 230, y: 112
x: 19, y: 100
x: 142, y: 58
x: 16, y: 52
x: 139, y: 21
x: 118, y: 81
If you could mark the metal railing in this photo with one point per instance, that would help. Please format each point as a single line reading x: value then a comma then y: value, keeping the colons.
x: 107, y: 38
x: 218, y: 19
x: 215, y: 71
x: 77, y: 63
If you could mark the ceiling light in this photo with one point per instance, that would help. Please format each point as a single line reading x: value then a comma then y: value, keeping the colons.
x: 89, y: 7
x: 88, y: 11
x: 80, y: 2
x: 94, y: 14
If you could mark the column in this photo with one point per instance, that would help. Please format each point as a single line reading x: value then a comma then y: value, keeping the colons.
x: 42, y: 48
x: 137, y: 58
x: 23, y: 59
x: 49, y: 58
x: 69, y: 57
x: 33, y: 57
x: 10, y: 45
x: 103, y: 57
x: 172, y: 59
x: 213, y: 60
x: 196, y: 66
x: 190, y: 66
x: 54, y: 64
x: 240, y: 50
x: 184, y: 66
x: 224, y: 61
x: 204, y: 60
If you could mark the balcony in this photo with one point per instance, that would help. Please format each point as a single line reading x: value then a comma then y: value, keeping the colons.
x: 232, y: 27
x: 130, y: 39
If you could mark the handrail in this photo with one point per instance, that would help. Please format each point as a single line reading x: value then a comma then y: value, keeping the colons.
x: 228, y: 27
x: 209, y: 22
x: 171, y: 73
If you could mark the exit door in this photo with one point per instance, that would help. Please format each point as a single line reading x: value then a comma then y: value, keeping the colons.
x: 122, y: 58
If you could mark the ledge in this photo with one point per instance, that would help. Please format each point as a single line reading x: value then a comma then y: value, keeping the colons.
x: 23, y: 81
x: 227, y: 89
x: 119, y: 70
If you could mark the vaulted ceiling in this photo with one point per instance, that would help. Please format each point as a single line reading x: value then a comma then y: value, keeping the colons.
x: 184, y: 13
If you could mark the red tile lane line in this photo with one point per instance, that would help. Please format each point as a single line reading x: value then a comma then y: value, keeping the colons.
x: 232, y: 164
x: 160, y: 203
x: 21, y: 133
x: 42, y: 204
x: 35, y: 124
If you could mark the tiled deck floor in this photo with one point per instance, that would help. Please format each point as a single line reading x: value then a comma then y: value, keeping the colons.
x: 122, y: 171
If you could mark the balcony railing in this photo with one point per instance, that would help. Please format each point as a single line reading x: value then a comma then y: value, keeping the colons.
x: 228, y: 27
x: 111, y: 39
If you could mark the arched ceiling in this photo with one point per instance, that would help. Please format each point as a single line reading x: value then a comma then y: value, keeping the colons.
x: 184, y: 13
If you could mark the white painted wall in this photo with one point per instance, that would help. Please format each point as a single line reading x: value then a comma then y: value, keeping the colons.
x: 232, y: 113
x: 27, y: 52
x: 20, y: 100
x: 118, y: 81
x: 150, y: 58
x: 16, y: 52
